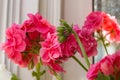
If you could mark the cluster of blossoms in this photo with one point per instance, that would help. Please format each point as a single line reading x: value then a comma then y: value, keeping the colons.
x: 23, y: 41
x: 108, y: 66
x: 37, y: 41
x: 105, y: 24
x: 108, y: 29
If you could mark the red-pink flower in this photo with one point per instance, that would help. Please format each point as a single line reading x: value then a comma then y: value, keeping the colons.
x: 93, y: 21
x: 51, y: 52
x: 41, y: 24
x: 93, y: 71
x: 28, y: 26
x: 106, y: 65
x: 56, y: 67
x: 103, y: 22
x: 88, y: 42
x: 116, y: 58
x: 28, y: 59
x: 69, y: 47
x: 15, y: 43
x: 111, y: 27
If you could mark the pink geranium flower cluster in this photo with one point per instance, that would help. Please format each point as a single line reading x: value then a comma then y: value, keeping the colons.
x: 23, y: 41
x: 109, y: 66
x: 108, y: 29
x: 36, y: 39
x: 101, y: 21
x: 36, y: 42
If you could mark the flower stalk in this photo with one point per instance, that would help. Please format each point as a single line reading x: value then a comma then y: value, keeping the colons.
x: 82, y: 49
x: 55, y: 74
x: 38, y: 73
x: 80, y: 63
x: 103, y: 42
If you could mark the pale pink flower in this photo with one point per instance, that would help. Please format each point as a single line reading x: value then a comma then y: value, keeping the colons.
x: 88, y: 42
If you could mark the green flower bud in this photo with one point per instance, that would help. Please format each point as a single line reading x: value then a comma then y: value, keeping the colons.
x: 59, y: 34
x: 60, y: 29
x: 62, y: 38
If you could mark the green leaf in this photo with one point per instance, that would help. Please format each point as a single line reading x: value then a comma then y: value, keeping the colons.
x: 14, y: 77
x: 102, y: 77
x: 34, y: 73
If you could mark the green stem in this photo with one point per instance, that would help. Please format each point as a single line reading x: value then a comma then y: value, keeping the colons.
x: 38, y: 66
x: 103, y: 42
x: 80, y: 63
x: 55, y: 74
x: 38, y: 73
x: 82, y: 48
x: 57, y: 77
x: 104, y: 46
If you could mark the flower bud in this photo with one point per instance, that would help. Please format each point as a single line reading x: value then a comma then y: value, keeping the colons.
x: 62, y: 38
x: 60, y: 29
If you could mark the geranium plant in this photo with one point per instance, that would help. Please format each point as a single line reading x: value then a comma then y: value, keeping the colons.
x: 36, y: 43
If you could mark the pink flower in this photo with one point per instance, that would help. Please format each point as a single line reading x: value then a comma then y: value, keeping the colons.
x: 56, y: 67
x: 93, y: 21
x: 28, y: 26
x: 50, y: 48
x: 69, y: 47
x: 15, y: 43
x: 51, y: 52
x: 107, y: 65
x: 27, y: 59
x: 116, y: 60
x: 88, y: 42
x: 93, y: 71
x: 104, y: 66
x: 41, y: 24
x: 110, y: 65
